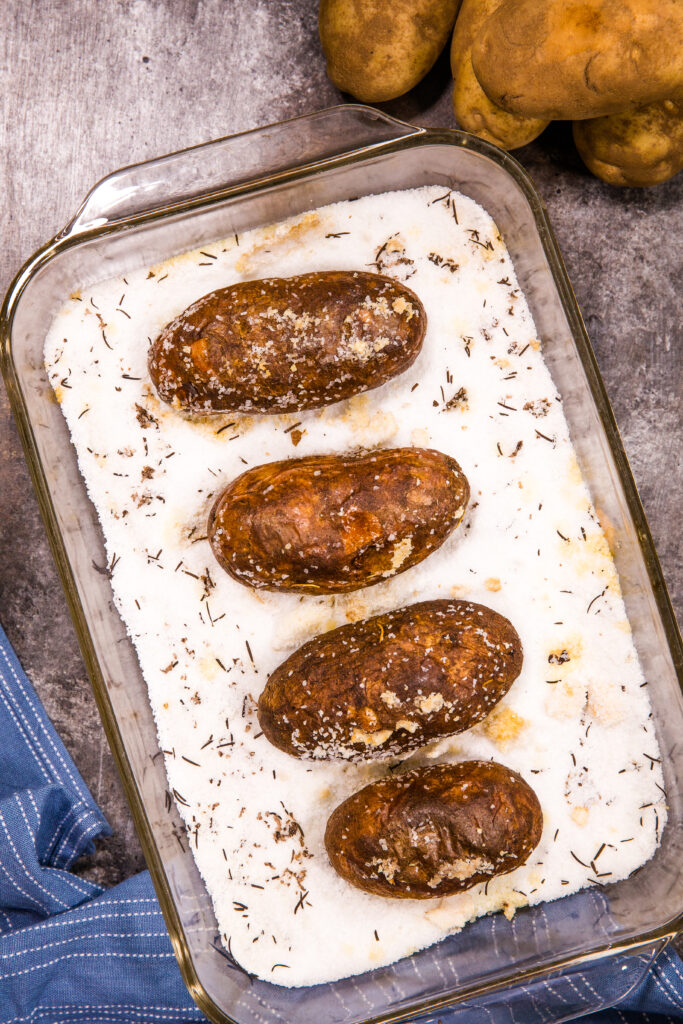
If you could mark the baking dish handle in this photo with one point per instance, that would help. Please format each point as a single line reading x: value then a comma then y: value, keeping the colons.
x: 214, y: 169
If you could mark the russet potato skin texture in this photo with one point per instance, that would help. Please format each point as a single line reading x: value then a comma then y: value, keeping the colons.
x: 389, y: 684
x: 639, y: 149
x: 286, y: 344
x: 575, y: 59
x: 329, y: 524
x: 379, y: 49
x: 473, y: 110
x: 434, y: 831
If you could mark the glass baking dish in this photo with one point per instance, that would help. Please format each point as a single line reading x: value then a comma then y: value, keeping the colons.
x: 148, y: 212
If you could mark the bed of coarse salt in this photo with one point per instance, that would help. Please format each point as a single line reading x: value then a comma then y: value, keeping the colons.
x: 576, y: 724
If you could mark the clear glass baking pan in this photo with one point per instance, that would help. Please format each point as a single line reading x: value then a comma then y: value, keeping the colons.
x: 143, y: 214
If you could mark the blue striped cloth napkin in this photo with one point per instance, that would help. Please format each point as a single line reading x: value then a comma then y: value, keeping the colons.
x: 73, y: 953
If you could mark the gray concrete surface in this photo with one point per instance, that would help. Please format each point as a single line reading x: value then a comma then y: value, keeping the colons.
x: 87, y: 87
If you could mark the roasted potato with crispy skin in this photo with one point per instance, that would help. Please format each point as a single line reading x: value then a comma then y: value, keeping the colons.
x: 389, y: 684
x: 473, y: 110
x: 327, y: 524
x: 573, y: 59
x: 434, y: 831
x: 287, y: 344
x: 378, y: 50
x: 638, y: 149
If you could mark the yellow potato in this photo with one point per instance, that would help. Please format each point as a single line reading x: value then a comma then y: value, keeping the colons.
x: 473, y: 110
x: 379, y: 49
x: 574, y: 59
x: 643, y: 148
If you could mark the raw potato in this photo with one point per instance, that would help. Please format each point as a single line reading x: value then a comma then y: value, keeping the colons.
x: 389, y: 684
x: 377, y: 49
x: 287, y: 344
x: 643, y: 148
x: 328, y: 524
x: 573, y: 59
x: 434, y: 831
x: 473, y: 110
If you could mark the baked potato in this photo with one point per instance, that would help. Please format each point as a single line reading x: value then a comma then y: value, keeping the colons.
x: 638, y: 149
x: 434, y: 831
x: 329, y: 524
x: 574, y: 59
x: 286, y: 344
x: 389, y: 684
x: 377, y: 50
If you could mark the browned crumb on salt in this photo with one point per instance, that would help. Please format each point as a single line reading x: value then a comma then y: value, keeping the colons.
x: 539, y: 407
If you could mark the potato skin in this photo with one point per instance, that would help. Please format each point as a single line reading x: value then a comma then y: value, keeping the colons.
x: 389, y: 684
x: 639, y: 149
x: 329, y: 524
x: 286, y: 344
x: 378, y: 50
x: 434, y: 831
x: 573, y: 59
x: 473, y: 110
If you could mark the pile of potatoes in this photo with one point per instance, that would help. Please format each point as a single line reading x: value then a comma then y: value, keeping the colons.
x: 612, y: 67
x: 333, y: 524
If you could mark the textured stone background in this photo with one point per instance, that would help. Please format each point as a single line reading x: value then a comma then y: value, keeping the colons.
x: 87, y: 86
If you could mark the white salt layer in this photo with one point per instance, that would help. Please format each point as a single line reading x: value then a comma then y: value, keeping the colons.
x: 576, y: 722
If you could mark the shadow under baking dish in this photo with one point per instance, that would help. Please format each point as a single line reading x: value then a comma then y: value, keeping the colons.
x: 147, y: 213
